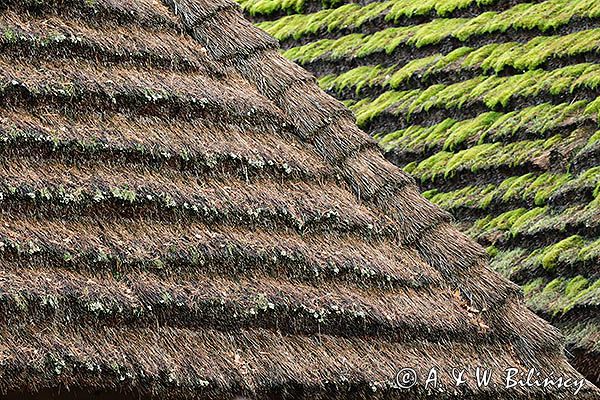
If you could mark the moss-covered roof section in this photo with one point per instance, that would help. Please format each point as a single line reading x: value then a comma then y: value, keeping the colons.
x: 493, y: 106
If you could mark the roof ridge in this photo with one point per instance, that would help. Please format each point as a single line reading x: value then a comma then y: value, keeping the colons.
x: 371, y: 173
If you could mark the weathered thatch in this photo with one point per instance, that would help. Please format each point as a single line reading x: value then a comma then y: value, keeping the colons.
x: 184, y: 214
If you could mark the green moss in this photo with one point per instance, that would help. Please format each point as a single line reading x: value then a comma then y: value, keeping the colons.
x: 408, y: 8
x: 410, y: 69
x: 543, y: 296
x: 590, y: 252
x: 420, y: 101
x: 268, y: 7
x: 575, y: 286
x: 545, y: 15
x: 385, y: 41
x: 416, y: 138
x: 357, y: 78
x: 468, y: 130
x: 366, y: 111
x: 348, y: 16
x: 410, y: 167
x: 431, y: 167
x: 564, y: 250
x: 9, y: 35
x: 124, y: 194
x: 590, y: 295
x: 520, y: 223
x: 496, y: 92
x: 492, y: 251
x: 493, y: 155
x: 554, y: 285
x: 593, y: 108
x: 470, y: 159
x: 534, y: 286
x: 428, y: 194
x: 588, y: 180
x: 501, y: 222
x: 512, y: 188
x: 434, y: 31
x: 507, y: 262
x: 334, y: 49
x: 469, y: 196
x: 595, y: 138
x: 544, y: 186
x: 561, y: 295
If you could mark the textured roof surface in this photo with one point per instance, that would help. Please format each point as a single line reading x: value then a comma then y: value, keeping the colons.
x: 492, y: 105
x: 185, y: 214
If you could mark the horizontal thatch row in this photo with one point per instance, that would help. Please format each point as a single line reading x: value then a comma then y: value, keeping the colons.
x: 148, y: 13
x: 214, y: 150
x: 404, y: 315
x: 370, y: 13
x: 93, y: 188
x: 193, y: 250
x: 379, y: 19
x: 569, y: 258
x: 475, y: 289
x: 50, y: 37
x: 477, y: 200
x: 541, y: 121
x: 541, y: 52
x: 399, y: 109
x: 519, y: 23
x: 565, y: 299
x: 448, y: 169
x: 178, y: 362
x: 141, y: 91
x: 538, y: 225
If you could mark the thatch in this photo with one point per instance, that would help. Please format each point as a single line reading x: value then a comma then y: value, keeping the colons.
x: 492, y: 106
x: 185, y: 214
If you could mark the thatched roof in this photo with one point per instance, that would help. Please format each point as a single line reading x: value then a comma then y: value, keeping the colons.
x: 492, y: 106
x: 185, y: 214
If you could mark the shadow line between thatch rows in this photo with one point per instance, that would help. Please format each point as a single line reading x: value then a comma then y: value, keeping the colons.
x: 387, y: 122
x: 456, y: 76
x: 402, y: 156
x: 544, y: 237
x: 406, y: 53
x: 95, y: 11
x: 312, y: 6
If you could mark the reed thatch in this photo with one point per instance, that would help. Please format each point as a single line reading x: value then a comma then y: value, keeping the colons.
x: 185, y: 214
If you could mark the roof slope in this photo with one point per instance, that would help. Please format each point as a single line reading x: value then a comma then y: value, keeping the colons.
x: 185, y: 214
x: 493, y: 107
